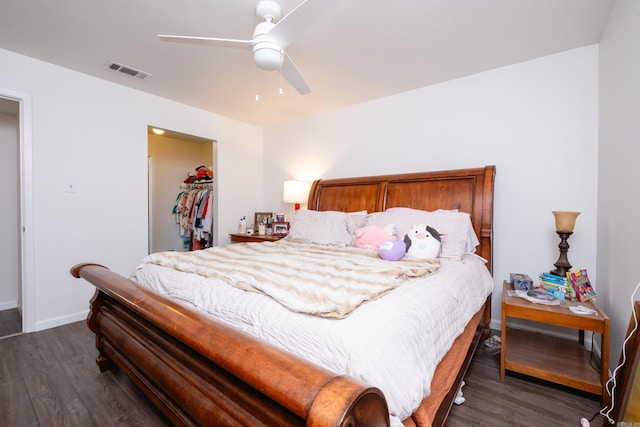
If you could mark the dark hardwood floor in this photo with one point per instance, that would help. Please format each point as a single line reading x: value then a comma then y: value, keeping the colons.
x: 50, y: 378
x: 519, y: 400
x: 10, y: 322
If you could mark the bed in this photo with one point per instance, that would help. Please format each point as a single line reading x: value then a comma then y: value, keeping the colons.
x: 200, y: 370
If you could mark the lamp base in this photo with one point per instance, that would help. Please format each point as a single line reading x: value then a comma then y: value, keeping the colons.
x: 562, y: 265
x: 562, y: 272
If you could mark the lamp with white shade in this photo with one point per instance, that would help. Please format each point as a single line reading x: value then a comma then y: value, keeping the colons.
x: 296, y: 192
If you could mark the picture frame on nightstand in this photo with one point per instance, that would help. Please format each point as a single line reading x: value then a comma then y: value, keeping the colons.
x: 280, y: 229
x: 261, y: 218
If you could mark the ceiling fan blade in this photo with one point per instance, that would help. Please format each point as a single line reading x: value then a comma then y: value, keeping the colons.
x: 235, y: 43
x: 291, y: 74
x: 296, y: 22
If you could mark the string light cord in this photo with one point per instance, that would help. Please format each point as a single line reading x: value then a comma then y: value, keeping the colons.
x: 606, y: 411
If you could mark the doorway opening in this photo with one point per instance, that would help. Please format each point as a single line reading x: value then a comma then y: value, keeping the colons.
x: 173, y: 158
x: 16, y: 220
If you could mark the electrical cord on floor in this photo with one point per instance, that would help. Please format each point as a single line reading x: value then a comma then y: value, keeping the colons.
x: 584, y: 422
x: 606, y: 411
x: 587, y: 422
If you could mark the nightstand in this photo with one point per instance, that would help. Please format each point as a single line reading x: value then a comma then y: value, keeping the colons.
x: 242, y: 238
x: 559, y: 360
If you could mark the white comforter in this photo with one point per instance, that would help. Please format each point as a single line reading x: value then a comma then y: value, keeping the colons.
x: 393, y: 343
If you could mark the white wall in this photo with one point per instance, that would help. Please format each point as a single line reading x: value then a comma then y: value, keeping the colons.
x: 537, y: 121
x: 619, y: 174
x: 93, y: 134
x: 9, y: 214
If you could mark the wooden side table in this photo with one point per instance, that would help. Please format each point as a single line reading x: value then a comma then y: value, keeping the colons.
x: 242, y: 238
x: 559, y: 360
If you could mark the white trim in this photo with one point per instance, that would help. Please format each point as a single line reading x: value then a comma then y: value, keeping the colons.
x: 62, y: 320
x: 26, y: 206
x: 8, y: 305
x: 150, y: 190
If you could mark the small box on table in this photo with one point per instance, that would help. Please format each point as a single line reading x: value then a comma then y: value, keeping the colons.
x: 521, y: 282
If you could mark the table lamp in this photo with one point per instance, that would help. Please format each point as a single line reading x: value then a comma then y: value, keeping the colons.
x: 565, y: 221
x: 296, y: 192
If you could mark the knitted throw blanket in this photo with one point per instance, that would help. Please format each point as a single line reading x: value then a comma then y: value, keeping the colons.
x: 320, y: 280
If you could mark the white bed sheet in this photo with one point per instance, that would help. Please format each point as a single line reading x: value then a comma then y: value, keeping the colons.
x: 393, y: 343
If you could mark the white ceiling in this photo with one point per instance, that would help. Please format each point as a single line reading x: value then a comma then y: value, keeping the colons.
x: 360, y: 50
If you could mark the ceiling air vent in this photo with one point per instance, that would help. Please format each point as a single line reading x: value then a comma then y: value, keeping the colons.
x: 127, y: 70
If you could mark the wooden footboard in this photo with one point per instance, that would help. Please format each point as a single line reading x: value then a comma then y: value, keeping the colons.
x: 202, y: 372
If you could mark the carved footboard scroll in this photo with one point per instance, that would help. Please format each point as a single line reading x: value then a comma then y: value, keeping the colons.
x: 198, y: 371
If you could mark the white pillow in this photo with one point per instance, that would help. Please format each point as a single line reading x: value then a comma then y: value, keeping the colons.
x: 458, y: 236
x: 359, y: 218
x: 472, y: 240
x: 324, y: 227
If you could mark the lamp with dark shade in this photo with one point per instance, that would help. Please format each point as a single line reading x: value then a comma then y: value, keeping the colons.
x: 295, y: 192
x: 565, y: 222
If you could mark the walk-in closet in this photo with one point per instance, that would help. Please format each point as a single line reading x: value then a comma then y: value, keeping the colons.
x: 181, y: 165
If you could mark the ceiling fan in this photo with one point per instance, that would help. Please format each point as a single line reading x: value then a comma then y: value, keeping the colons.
x: 270, y: 38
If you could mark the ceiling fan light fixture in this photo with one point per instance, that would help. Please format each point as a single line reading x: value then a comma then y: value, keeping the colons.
x: 268, y: 56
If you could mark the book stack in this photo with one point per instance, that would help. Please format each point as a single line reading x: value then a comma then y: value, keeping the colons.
x: 556, y: 285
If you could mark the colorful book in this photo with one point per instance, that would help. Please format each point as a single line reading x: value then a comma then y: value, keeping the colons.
x: 553, y: 278
x: 556, y: 285
x: 559, y: 291
x: 579, y: 280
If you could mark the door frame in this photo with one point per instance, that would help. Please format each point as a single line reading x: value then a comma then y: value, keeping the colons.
x: 27, y: 257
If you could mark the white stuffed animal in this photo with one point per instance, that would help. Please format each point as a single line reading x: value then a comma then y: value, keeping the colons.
x: 423, y: 242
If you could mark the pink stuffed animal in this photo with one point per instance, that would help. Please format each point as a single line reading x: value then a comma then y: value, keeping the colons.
x: 372, y: 236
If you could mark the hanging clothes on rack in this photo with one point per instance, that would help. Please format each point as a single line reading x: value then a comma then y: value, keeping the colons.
x: 193, y: 210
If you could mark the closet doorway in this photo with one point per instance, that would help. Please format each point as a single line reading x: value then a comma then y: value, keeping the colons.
x: 173, y: 156
x: 15, y: 179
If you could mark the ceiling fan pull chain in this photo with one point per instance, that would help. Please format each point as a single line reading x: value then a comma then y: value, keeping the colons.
x: 257, y: 84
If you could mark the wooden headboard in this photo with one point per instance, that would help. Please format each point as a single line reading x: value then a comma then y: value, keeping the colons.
x: 468, y: 190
